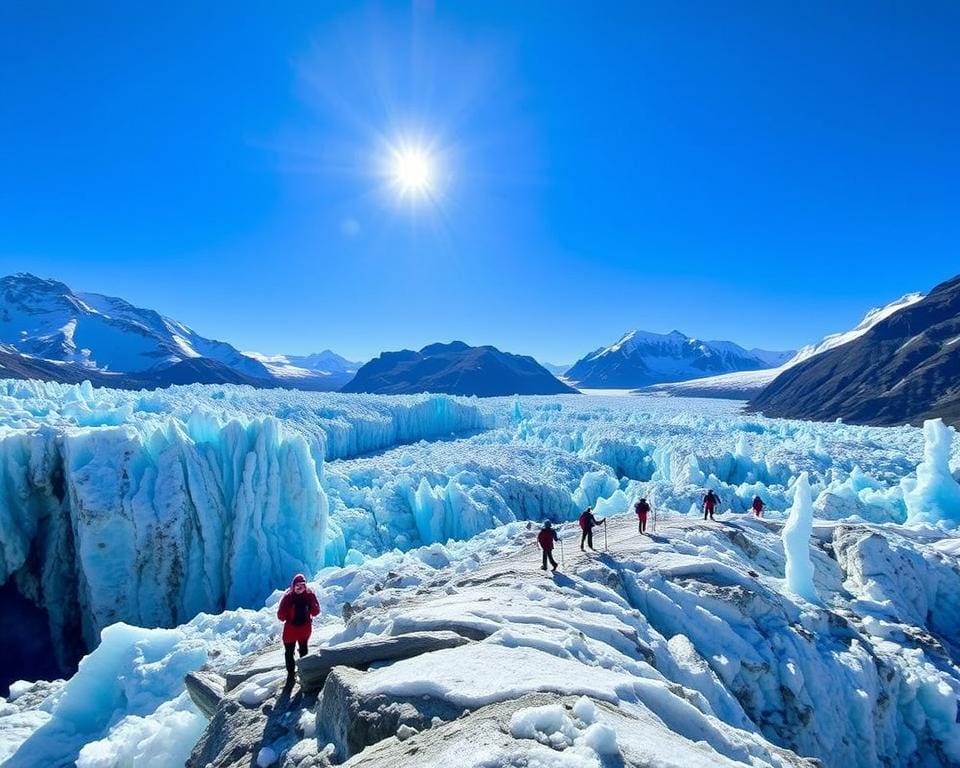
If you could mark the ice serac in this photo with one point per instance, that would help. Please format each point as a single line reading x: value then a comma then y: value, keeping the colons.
x: 150, y: 508
x: 936, y: 496
x: 796, y: 542
x: 155, y: 528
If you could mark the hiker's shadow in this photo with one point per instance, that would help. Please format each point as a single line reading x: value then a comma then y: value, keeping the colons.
x: 278, y: 725
x: 562, y: 580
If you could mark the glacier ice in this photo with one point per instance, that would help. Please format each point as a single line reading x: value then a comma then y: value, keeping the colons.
x: 935, y: 496
x: 796, y: 541
x: 149, y: 507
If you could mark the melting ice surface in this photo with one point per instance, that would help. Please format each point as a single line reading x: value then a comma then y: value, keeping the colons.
x: 121, y: 510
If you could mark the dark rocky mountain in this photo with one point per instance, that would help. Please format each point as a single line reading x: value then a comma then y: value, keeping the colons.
x: 639, y: 359
x: 456, y: 369
x: 905, y: 369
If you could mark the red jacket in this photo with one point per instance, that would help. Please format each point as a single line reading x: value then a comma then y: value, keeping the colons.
x: 297, y: 612
x: 546, y: 537
x: 641, y: 508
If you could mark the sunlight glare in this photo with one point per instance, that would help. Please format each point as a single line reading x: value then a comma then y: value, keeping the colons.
x: 412, y: 171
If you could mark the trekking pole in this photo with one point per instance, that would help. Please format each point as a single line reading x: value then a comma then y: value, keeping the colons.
x: 604, y: 535
x: 562, y: 563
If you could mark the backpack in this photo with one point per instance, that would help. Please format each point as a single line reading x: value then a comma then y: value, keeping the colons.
x: 301, y: 610
x: 585, y: 521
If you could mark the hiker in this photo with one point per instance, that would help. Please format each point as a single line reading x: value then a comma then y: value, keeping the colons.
x: 297, y: 608
x: 758, y: 506
x: 546, y: 539
x: 587, y: 523
x: 710, y: 502
x: 642, y: 509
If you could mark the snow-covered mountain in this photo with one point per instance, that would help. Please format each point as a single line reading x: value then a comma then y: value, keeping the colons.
x: 742, y: 385
x: 50, y: 332
x: 904, y: 369
x: 332, y: 369
x: 639, y: 359
x: 556, y: 370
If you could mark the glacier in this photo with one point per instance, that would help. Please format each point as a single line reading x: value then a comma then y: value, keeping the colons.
x: 151, y: 529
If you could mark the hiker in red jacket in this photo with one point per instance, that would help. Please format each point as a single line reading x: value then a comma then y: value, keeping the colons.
x: 642, y: 509
x: 710, y: 502
x: 758, y: 506
x: 546, y: 539
x: 297, y: 608
x: 587, y: 523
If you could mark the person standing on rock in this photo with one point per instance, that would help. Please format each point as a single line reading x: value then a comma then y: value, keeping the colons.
x: 642, y: 508
x: 546, y: 539
x: 297, y: 608
x: 710, y: 502
x: 757, y: 506
x: 587, y: 523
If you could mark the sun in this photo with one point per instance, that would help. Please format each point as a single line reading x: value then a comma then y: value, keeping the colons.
x: 412, y: 171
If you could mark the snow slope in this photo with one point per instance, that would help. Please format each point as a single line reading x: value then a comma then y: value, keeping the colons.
x: 742, y: 385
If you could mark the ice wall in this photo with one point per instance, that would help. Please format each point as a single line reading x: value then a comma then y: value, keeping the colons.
x: 935, y: 498
x: 149, y: 508
x: 154, y: 529
x: 796, y: 542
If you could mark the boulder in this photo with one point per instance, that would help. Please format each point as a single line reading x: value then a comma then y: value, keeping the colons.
x: 261, y: 712
x: 361, y: 653
x: 254, y: 664
x: 206, y: 689
x: 352, y: 720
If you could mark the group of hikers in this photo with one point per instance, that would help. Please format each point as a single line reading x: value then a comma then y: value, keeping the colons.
x: 299, y: 604
x: 548, y: 536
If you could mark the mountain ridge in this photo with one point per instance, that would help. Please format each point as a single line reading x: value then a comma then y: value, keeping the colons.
x: 457, y: 369
x: 640, y: 358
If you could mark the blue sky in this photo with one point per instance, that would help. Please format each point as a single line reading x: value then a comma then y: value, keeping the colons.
x: 753, y: 172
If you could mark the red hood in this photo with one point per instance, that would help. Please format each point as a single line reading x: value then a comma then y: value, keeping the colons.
x: 298, y: 577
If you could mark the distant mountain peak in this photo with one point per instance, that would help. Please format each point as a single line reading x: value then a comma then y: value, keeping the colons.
x: 640, y: 358
x: 457, y: 369
x: 66, y: 336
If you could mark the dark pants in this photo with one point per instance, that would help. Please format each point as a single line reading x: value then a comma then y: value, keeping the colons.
x: 643, y: 523
x: 708, y: 511
x: 587, y: 537
x: 288, y: 654
x: 548, y: 556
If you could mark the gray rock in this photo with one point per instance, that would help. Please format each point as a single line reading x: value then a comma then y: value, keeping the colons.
x: 254, y: 664
x: 206, y: 689
x: 486, y: 729
x: 352, y: 720
x: 486, y: 732
x: 241, y: 726
x: 361, y: 653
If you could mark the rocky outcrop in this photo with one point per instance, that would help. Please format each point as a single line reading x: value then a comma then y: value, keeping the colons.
x: 360, y: 654
x: 262, y: 713
x: 352, y: 720
x: 206, y: 689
